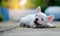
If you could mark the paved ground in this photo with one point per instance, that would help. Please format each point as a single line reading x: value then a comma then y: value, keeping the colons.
x: 31, y: 31
x: 7, y: 25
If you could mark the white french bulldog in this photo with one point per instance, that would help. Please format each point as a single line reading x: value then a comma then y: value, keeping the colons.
x: 38, y: 20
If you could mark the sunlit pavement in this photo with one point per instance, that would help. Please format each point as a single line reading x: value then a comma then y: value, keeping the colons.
x: 32, y: 32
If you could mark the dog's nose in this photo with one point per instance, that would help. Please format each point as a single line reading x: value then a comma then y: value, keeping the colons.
x: 36, y: 18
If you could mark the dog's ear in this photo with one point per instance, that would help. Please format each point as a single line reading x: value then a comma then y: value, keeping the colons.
x: 50, y: 18
x: 38, y: 10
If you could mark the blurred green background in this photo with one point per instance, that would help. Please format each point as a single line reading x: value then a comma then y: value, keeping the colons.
x: 44, y: 3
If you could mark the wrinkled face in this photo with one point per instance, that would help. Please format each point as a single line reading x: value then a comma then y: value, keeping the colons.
x: 41, y: 18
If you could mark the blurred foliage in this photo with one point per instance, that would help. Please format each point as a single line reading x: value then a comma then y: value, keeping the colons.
x: 57, y: 2
x: 0, y: 2
x: 1, y: 18
x: 43, y: 3
x: 36, y: 3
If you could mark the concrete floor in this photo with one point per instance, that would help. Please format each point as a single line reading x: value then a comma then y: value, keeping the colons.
x: 32, y: 32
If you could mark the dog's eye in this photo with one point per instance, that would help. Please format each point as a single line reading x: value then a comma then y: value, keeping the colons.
x: 36, y: 15
x: 42, y: 19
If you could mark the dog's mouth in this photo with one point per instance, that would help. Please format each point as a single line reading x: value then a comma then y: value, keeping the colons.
x: 38, y: 25
x: 36, y: 22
